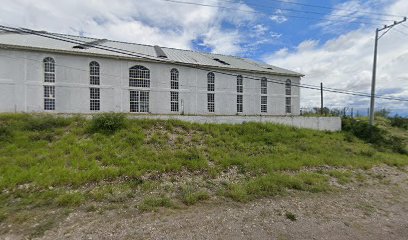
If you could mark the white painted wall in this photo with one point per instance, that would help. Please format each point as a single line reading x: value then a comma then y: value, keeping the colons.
x: 21, y: 86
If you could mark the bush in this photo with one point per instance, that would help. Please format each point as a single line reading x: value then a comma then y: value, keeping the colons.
x: 107, y: 123
x: 373, y: 135
x: 5, y: 133
x: 399, y: 122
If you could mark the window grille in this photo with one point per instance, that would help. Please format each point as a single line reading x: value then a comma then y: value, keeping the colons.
x: 174, y: 79
x: 139, y: 101
x: 211, y: 102
x: 139, y: 76
x: 95, y: 99
x: 240, y: 86
x: 174, y: 101
x: 211, y: 82
x: 94, y: 73
x: 49, y: 70
x: 264, y: 104
x: 288, y: 105
x: 288, y: 87
x: 264, y: 86
x: 49, y: 97
x: 239, y: 103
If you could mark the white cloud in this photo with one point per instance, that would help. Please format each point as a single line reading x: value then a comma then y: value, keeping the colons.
x: 345, y: 62
x: 148, y: 22
x: 278, y: 17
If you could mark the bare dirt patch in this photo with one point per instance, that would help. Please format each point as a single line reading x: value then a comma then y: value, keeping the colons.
x: 374, y: 209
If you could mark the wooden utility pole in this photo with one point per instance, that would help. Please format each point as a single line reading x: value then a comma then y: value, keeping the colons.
x: 377, y: 31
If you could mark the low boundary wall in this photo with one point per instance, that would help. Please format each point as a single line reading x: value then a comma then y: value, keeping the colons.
x: 317, y: 123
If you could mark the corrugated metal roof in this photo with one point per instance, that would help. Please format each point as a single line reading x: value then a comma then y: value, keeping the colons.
x: 23, y: 40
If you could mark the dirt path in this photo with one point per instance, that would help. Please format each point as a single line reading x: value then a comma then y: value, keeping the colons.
x: 374, y: 210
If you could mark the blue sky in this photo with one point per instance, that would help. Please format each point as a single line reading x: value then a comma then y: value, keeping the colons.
x: 336, y: 51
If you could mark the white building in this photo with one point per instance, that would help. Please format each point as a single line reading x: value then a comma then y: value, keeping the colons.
x: 45, y: 72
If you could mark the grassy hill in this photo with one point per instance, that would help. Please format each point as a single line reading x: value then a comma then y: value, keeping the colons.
x: 49, y: 162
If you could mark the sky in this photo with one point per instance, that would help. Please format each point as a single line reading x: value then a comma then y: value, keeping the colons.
x: 332, y: 43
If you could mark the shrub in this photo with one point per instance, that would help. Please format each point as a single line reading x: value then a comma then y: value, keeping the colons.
x: 373, y: 135
x: 107, y: 123
x: 5, y: 133
x: 399, y: 122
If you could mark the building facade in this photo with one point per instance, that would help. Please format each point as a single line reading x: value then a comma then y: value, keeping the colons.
x: 39, y: 74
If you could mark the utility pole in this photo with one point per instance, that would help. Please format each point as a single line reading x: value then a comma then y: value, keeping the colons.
x: 377, y: 31
x: 321, y: 98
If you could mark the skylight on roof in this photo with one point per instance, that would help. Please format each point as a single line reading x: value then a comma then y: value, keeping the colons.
x: 90, y: 44
x: 221, y: 61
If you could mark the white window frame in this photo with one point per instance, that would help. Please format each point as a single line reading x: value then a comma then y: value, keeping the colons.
x: 174, y: 101
x: 139, y: 101
x: 211, y: 82
x: 211, y: 102
x: 264, y: 104
x: 94, y: 73
x: 49, y: 70
x: 95, y: 99
x: 174, y: 79
x: 49, y: 97
x: 139, y: 76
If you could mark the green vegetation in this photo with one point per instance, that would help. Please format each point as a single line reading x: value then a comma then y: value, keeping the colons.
x: 291, y: 216
x: 153, y: 203
x: 56, y: 162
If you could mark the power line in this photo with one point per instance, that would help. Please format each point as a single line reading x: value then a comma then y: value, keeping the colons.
x: 307, y: 11
x: 333, y: 8
x: 277, y: 81
x: 252, y: 11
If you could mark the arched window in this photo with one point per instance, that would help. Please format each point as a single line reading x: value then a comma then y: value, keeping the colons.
x: 49, y: 70
x: 288, y: 87
x: 264, y: 86
x: 240, y: 84
x: 94, y: 73
x: 139, y: 76
x: 174, y: 85
x: 174, y: 79
x: 211, y: 82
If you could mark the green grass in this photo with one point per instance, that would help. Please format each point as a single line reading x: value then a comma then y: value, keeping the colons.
x: 153, y: 203
x: 66, y: 162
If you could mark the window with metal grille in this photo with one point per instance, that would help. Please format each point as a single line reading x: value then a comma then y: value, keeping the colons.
x: 139, y: 76
x: 288, y: 105
x: 240, y: 85
x: 174, y: 101
x: 94, y: 73
x: 139, y: 101
x: 288, y: 87
x: 264, y: 86
x: 264, y: 104
x: 95, y: 99
x: 211, y: 102
x: 211, y: 82
x: 240, y: 103
x: 174, y: 79
x: 49, y: 70
x: 49, y: 97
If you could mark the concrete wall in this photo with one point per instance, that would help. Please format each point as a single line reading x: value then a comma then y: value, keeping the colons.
x: 316, y: 123
x: 22, y: 79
